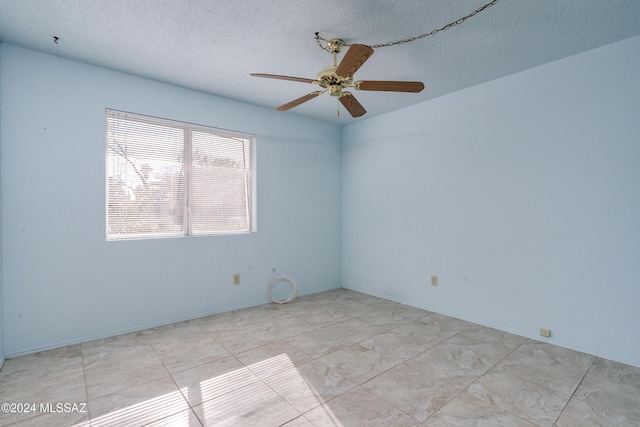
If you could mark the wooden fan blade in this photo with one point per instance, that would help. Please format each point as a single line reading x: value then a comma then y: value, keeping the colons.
x: 353, y: 59
x: 296, y: 102
x: 352, y: 105
x: 389, y: 86
x: 276, y: 76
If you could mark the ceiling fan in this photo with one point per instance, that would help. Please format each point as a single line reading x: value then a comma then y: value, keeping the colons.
x: 336, y: 78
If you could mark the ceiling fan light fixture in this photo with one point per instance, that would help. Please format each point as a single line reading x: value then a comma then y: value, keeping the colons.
x: 335, y: 90
x: 334, y: 79
x: 337, y: 77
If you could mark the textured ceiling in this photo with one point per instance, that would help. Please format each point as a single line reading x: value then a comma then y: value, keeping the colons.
x: 213, y: 45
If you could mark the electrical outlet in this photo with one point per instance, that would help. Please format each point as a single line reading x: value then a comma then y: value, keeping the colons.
x: 236, y: 279
x: 545, y: 333
x: 434, y: 280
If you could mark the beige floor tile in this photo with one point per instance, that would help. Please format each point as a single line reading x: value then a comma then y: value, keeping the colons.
x: 301, y: 421
x: 332, y: 297
x: 287, y: 327
x: 177, y: 340
x: 110, y: 343
x: 197, y: 355
x: 272, y: 358
x: 346, y: 296
x: 549, y: 366
x: 319, y: 343
x: 263, y: 316
x: 449, y: 322
x: 620, y: 396
x: 396, y: 316
x: 359, y: 408
x: 467, y: 411
x: 43, y: 365
x: 273, y: 311
x: 356, y: 309
x: 67, y: 388
x: 118, y: 351
x: 583, y: 414
x: 608, y: 369
x: 479, y: 334
x: 455, y: 364
x: 338, y: 358
x: 355, y: 330
x: 324, y: 315
x: 358, y: 363
x: 410, y: 392
x: 181, y: 350
x: 156, y: 334
x: 429, y: 332
x: 519, y: 397
x: 214, y: 379
x: 139, y: 405
x: 239, y: 340
x: 70, y: 419
x: 253, y: 405
x: 105, y: 379
x: 388, y: 305
x: 233, y: 320
x: 395, y: 345
x: 308, y: 385
x: 107, y: 359
x: 186, y: 418
x: 489, y: 352
x: 69, y: 385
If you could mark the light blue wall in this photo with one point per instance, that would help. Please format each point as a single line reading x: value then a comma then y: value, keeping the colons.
x: 521, y: 194
x: 1, y: 305
x: 64, y: 283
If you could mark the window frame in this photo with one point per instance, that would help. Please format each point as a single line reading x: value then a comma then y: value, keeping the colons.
x: 187, y: 161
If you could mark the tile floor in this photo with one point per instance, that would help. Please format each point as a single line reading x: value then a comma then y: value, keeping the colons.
x: 338, y: 358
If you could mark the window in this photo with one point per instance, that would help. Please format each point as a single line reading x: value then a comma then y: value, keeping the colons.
x: 168, y: 179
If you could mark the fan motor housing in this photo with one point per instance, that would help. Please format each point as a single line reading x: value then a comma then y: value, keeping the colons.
x: 327, y: 72
x: 328, y: 79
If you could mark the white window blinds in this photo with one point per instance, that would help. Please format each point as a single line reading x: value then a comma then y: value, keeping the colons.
x: 168, y: 178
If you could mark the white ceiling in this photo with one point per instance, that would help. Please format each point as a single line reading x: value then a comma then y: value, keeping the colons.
x: 213, y: 45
